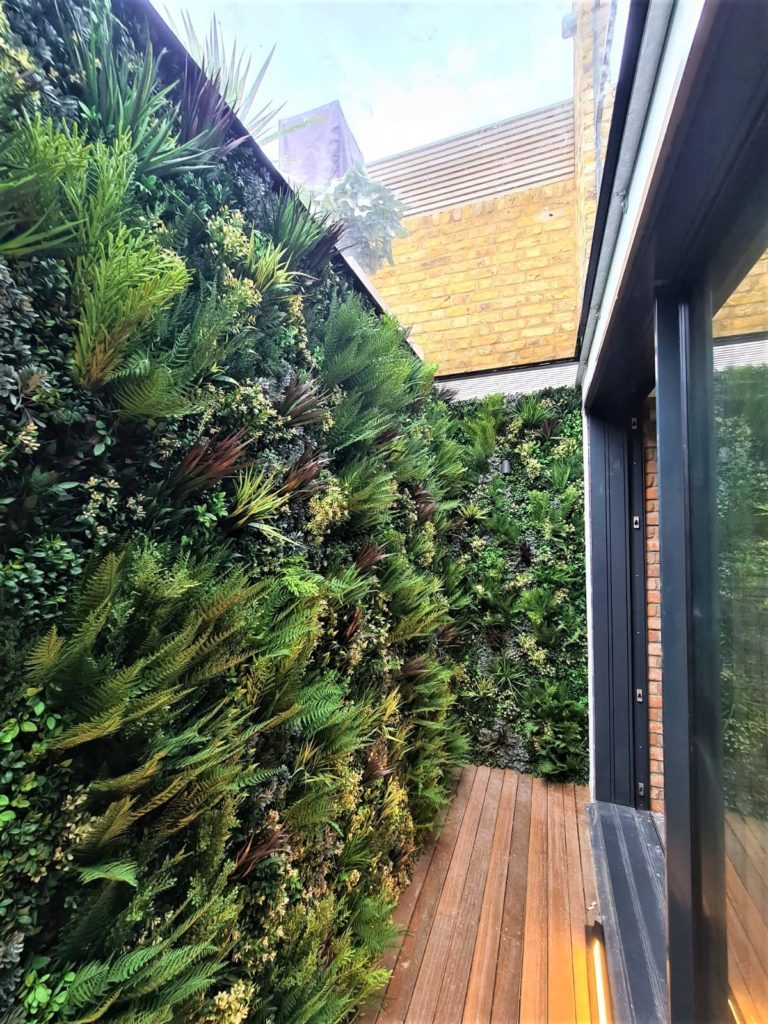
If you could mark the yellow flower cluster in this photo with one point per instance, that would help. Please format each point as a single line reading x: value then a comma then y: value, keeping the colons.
x: 227, y: 234
x: 232, y: 1005
x: 327, y: 509
x: 27, y: 438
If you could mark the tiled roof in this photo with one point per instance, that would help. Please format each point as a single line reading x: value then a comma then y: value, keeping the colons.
x: 518, y: 153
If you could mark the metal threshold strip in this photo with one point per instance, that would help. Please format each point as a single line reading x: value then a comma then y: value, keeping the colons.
x: 629, y: 872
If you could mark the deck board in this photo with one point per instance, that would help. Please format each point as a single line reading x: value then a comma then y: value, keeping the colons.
x: 509, y: 965
x: 496, y: 929
x: 450, y: 1003
x: 432, y: 968
x: 478, y: 1004
x: 746, y: 888
x: 560, y: 988
x: 533, y: 995
x: 579, y: 910
x: 400, y: 989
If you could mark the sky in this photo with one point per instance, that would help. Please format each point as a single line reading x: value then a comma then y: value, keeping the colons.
x: 406, y: 74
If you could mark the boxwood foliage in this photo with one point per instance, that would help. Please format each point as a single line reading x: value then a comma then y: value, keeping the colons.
x: 227, y: 500
x: 523, y: 682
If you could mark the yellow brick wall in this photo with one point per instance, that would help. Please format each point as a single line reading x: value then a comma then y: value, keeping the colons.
x: 489, y: 284
x: 746, y: 311
x: 498, y: 283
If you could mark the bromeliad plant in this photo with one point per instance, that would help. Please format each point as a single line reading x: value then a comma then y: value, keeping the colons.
x: 122, y: 96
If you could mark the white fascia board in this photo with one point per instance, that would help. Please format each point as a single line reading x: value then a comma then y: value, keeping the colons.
x: 650, y: 119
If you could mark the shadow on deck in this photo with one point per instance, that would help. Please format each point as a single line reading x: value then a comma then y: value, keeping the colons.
x: 497, y: 916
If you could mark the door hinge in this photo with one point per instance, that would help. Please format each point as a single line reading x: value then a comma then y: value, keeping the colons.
x: 635, y: 522
x: 641, y: 789
x: 639, y: 696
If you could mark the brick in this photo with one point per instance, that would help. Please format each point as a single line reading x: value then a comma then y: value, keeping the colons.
x: 511, y: 267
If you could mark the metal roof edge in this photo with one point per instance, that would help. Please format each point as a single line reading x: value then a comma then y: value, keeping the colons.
x: 516, y: 380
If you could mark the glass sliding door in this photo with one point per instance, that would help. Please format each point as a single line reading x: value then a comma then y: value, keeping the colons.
x: 740, y: 396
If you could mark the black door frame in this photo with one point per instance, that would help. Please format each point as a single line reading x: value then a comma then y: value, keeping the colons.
x: 700, y: 230
x: 618, y: 609
x: 693, y: 789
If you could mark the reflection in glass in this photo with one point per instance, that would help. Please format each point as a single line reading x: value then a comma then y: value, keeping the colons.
x: 741, y: 423
x: 611, y: 19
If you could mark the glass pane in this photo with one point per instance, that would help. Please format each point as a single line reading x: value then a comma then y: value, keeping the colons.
x: 614, y: 17
x: 741, y: 417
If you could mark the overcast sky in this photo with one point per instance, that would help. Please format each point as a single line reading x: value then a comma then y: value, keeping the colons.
x: 405, y: 73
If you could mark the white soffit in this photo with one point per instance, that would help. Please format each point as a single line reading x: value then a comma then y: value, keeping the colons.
x: 646, y: 127
x: 742, y: 351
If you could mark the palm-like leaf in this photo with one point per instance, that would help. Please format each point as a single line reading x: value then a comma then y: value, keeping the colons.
x: 124, y: 100
x: 231, y: 72
x: 306, y: 237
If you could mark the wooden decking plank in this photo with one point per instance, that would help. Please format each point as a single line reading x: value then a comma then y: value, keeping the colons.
x: 560, y: 995
x: 497, y: 918
x: 450, y: 1003
x: 748, y: 835
x: 401, y: 985
x: 578, y: 910
x: 744, y: 964
x: 751, y: 948
x: 743, y: 857
x: 739, y: 991
x: 533, y: 993
x: 450, y: 899
x: 407, y: 902
x: 581, y: 797
x: 754, y: 924
x: 759, y: 829
x: 402, y: 918
x: 509, y: 965
x: 427, y: 989
x: 478, y: 1004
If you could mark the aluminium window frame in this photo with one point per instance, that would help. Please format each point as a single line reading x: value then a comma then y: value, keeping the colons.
x: 693, y: 788
x: 696, y: 233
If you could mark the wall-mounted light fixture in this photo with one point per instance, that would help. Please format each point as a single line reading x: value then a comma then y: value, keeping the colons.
x: 506, y: 467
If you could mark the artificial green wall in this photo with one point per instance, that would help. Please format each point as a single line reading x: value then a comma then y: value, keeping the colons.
x: 248, y: 559
x: 225, y: 504
x: 523, y: 680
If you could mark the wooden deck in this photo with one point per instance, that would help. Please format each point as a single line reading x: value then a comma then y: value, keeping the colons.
x: 497, y: 913
x: 746, y: 889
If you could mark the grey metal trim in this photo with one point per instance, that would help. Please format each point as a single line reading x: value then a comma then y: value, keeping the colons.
x: 642, y: 57
x: 519, y: 380
x: 629, y: 871
x: 612, y: 662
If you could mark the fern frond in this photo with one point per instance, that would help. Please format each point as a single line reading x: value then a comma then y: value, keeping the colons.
x: 45, y: 654
x: 112, y: 824
x: 111, y: 871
